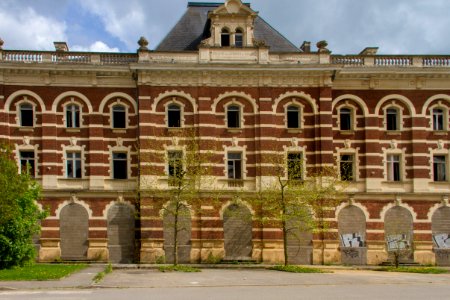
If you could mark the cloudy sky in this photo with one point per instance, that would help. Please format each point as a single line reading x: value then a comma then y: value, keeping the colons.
x: 396, y: 26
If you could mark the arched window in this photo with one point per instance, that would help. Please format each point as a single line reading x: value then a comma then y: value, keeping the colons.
x: 225, y: 38
x: 438, y: 119
x: 119, y: 116
x: 239, y: 38
x: 26, y: 115
x: 72, y: 116
x: 234, y: 116
x: 293, y: 117
x: 174, y: 116
x: 345, y: 118
x: 392, y: 119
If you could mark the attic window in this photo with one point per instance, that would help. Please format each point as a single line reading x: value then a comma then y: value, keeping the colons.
x: 225, y: 38
x: 239, y: 41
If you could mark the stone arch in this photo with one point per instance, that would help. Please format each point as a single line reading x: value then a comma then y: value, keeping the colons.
x: 121, y: 233
x: 352, y: 233
x: 237, y: 228
x: 184, y: 233
x: 432, y: 99
x: 440, y: 226
x: 235, y: 94
x: 174, y: 93
x: 117, y: 95
x: 403, y: 99
x: 354, y: 98
x: 399, y: 232
x: 16, y: 94
x: 74, y: 231
x: 72, y: 94
x: 301, y: 95
x: 299, y: 237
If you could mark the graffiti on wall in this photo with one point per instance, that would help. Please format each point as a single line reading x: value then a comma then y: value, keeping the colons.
x: 442, y: 241
x: 352, y: 240
x: 398, y: 242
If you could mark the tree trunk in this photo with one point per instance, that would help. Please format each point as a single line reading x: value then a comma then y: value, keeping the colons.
x: 175, y: 235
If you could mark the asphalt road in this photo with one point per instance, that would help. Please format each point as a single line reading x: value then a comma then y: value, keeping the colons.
x: 251, y: 284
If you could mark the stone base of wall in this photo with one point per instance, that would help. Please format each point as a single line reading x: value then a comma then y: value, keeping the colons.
x: 152, y: 252
x: 98, y: 250
x: 50, y: 250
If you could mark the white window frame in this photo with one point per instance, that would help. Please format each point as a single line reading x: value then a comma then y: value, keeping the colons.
x: 19, y: 104
x: 119, y: 149
x: 445, y: 117
x: 390, y: 174
x: 182, y: 113
x: 241, y: 115
x: 111, y: 109
x: 80, y: 112
x: 352, y: 117
x: 399, y: 121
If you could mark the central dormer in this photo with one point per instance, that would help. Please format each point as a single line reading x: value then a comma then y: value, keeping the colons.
x: 232, y: 25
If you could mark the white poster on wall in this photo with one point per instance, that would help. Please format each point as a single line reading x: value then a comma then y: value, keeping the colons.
x: 442, y: 241
x: 352, y: 240
x: 398, y: 242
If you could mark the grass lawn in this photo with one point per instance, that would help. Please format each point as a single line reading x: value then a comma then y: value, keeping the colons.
x: 39, y: 272
x: 297, y: 269
x: 419, y: 270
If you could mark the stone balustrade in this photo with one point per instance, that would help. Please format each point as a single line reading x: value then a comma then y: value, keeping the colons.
x: 259, y: 56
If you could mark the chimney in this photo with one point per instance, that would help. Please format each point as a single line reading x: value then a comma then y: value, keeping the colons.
x: 61, y: 46
x: 306, y: 47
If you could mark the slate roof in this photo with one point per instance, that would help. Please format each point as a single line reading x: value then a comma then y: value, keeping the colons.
x: 193, y: 27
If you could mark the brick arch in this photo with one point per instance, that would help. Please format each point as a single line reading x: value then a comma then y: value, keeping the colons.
x: 114, y: 96
x: 17, y: 94
x: 431, y: 100
x: 69, y: 94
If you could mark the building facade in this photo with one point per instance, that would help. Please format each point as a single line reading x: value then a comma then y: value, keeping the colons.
x: 85, y: 124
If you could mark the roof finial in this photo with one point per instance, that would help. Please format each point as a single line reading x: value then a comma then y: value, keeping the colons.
x: 143, y: 43
x: 1, y: 44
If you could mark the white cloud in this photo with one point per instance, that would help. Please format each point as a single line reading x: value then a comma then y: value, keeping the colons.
x: 98, y: 46
x: 25, y: 29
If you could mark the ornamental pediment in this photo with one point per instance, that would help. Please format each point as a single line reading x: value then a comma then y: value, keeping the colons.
x: 235, y: 7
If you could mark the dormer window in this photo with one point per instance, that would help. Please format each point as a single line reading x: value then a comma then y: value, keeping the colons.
x: 239, y: 38
x: 225, y: 38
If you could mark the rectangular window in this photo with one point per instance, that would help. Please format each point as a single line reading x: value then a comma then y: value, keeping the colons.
x: 393, y: 168
x: 235, y: 166
x: 346, y: 119
x: 119, y: 117
x: 294, y: 163
x: 440, y: 168
x: 392, y: 119
x: 120, y: 165
x: 293, y: 117
x: 347, y: 167
x: 175, y: 165
x: 73, y: 116
x: 438, y: 119
x: 27, y: 163
x: 26, y: 115
x: 239, y: 41
x: 73, y: 165
x: 234, y: 116
x: 174, y: 115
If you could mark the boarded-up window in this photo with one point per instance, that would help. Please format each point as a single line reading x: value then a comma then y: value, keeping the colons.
x: 237, y: 227
x: 440, y: 225
x: 299, y: 236
x: 74, y: 223
x: 352, y: 233
x: 121, y: 234
x: 184, y: 229
x: 398, y: 229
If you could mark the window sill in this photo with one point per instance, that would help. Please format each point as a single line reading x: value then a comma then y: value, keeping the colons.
x: 26, y: 129
x: 347, y: 132
x: 235, y: 183
x: 73, y: 130
x: 234, y: 130
x: 393, y: 132
x: 294, y: 130
x: 440, y: 183
x: 394, y: 182
x: 175, y: 129
x: 117, y: 131
x: 440, y: 132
